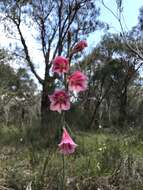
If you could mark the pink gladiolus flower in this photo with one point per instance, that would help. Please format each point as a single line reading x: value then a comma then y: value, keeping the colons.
x: 67, y: 145
x: 80, y: 46
x: 60, y: 100
x: 77, y: 82
x: 60, y: 65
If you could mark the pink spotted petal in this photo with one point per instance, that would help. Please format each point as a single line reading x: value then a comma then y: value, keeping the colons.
x: 55, y: 107
x: 67, y: 145
x: 65, y: 106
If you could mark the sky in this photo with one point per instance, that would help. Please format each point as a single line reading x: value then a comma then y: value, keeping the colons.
x: 130, y: 12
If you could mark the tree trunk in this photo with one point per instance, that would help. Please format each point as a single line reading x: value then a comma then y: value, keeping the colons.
x: 122, y: 109
x: 94, y: 123
x: 45, y: 105
x: 49, y: 119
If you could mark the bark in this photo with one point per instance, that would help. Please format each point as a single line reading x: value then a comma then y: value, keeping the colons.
x: 45, y: 104
x: 50, y: 121
x: 123, y: 109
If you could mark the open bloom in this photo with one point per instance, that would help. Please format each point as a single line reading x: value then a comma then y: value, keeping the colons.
x: 67, y: 145
x: 60, y: 65
x: 60, y: 100
x: 80, y: 46
x: 77, y: 82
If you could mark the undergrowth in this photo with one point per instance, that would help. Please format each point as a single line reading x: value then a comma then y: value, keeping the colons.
x: 102, y: 161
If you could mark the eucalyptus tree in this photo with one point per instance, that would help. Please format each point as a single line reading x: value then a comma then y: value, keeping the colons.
x: 113, y: 70
x: 18, y: 94
x: 59, y: 25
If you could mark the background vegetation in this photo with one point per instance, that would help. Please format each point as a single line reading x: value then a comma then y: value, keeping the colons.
x: 106, y: 121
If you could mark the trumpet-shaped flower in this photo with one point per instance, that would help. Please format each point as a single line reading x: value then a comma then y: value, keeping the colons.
x: 80, y: 46
x: 60, y: 65
x: 60, y: 100
x: 67, y: 145
x: 77, y: 82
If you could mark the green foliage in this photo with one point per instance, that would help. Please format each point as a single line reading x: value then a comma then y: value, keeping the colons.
x: 102, y: 160
x: 18, y: 96
x: 10, y: 135
x: 115, y: 86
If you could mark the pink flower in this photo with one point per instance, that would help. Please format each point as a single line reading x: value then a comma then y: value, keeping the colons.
x: 80, y: 46
x: 60, y: 65
x: 77, y: 82
x: 67, y: 145
x: 60, y: 100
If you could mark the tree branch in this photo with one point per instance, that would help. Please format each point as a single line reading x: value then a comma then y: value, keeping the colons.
x: 136, y: 51
x: 27, y: 54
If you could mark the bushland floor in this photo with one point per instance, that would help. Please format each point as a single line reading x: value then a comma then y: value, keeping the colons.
x: 102, y: 161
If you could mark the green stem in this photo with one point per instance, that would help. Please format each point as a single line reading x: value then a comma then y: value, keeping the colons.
x: 63, y: 179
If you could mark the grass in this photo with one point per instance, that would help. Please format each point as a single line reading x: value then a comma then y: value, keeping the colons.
x: 102, y: 161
